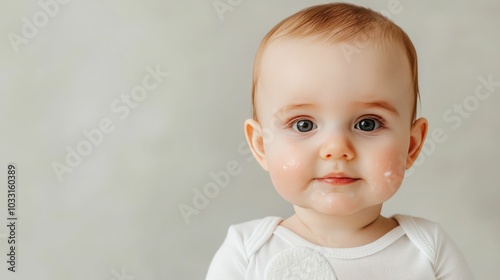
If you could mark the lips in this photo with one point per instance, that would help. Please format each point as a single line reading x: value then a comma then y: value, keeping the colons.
x: 337, y: 179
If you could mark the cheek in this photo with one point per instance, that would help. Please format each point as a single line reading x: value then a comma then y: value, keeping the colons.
x: 387, y: 172
x: 287, y: 169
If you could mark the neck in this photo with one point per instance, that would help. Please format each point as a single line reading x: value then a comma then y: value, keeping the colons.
x: 340, y: 231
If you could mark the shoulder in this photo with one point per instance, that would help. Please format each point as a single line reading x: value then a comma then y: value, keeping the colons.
x: 418, y: 221
x: 422, y: 229
x: 433, y: 241
x: 419, y: 226
x: 253, y: 234
x: 241, y: 243
x: 425, y: 234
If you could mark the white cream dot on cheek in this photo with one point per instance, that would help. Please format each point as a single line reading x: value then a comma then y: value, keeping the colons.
x: 291, y: 164
x: 393, y: 175
x: 393, y: 178
x: 387, y: 175
x: 288, y: 174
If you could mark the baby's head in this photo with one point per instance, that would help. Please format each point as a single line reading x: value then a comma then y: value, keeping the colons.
x: 334, y: 102
x: 353, y: 27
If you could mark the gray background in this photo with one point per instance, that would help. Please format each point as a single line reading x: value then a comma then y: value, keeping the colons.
x: 116, y: 215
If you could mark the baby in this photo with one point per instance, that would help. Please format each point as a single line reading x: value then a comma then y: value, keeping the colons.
x: 335, y: 92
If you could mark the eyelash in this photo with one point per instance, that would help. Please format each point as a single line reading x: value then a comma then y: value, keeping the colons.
x: 291, y: 122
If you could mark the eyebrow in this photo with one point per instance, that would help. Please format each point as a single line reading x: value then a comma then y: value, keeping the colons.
x: 373, y: 104
x: 379, y: 104
x: 292, y: 107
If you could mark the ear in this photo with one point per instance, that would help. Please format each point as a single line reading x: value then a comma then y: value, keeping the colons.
x: 417, y: 137
x: 255, y: 139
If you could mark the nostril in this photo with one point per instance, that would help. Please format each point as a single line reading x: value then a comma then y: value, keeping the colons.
x: 345, y: 156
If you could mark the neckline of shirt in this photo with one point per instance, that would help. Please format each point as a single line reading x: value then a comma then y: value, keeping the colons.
x: 342, y: 253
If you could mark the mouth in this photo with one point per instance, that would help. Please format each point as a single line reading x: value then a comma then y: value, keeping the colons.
x: 337, y: 179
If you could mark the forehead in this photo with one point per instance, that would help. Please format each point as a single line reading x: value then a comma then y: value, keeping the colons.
x: 295, y: 70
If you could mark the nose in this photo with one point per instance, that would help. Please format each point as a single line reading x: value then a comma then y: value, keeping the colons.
x: 337, y: 146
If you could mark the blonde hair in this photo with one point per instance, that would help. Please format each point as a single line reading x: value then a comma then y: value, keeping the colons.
x: 339, y: 22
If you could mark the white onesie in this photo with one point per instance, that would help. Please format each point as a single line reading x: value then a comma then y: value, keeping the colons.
x: 262, y: 249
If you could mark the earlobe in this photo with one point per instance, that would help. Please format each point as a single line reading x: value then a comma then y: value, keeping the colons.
x: 255, y: 139
x: 417, y: 138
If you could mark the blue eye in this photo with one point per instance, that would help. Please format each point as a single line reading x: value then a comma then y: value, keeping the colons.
x: 367, y: 125
x: 304, y: 125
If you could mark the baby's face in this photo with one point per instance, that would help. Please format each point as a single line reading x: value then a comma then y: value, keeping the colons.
x: 337, y: 123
